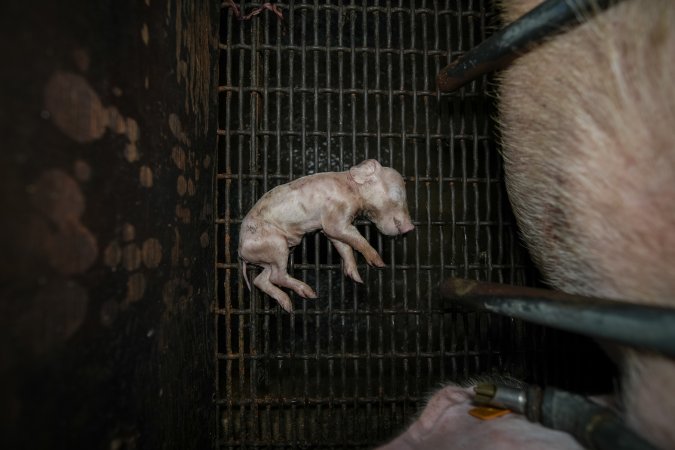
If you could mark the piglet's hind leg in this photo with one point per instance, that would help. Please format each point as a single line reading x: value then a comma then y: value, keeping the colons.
x: 279, y: 274
x: 282, y: 278
x: 263, y: 283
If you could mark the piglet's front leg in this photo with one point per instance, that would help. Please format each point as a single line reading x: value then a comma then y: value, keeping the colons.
x: 348, y: 261
x: 348, y: 234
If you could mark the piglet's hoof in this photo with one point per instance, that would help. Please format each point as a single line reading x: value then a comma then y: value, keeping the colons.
x: 305, y: 291
x: 375, y: 260
x: 354, y: 275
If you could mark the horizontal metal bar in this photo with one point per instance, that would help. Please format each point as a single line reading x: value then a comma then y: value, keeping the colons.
x: 339, y: 91
x: 359, y: 134
x: 421, y: 179
x: 334, y: 49
x: 372, y: 9
x: 309, y: 401
x: 636, y: 325
x: 417, y: 223
x: 323, y: 356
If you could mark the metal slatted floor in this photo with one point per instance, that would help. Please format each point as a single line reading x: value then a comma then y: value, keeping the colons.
x: 331, y: 84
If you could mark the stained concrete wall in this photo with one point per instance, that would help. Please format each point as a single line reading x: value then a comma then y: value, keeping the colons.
x: 107, y: 155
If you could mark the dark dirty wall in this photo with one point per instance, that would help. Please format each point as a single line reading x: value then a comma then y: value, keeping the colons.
x: 107, y: 137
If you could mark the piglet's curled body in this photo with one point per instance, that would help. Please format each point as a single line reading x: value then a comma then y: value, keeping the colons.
x: 328, y: 201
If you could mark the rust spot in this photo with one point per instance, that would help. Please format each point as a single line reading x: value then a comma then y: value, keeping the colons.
x: 58, y: 310
x: 117, y: 121
x: 131, y: 152
x: 191, y: 188
x: 128, y: 232
x: 135, y: 288
x: 131, y: 257
x: 68, y: 246
x: 152, y: 253
x: 112, y: 255
x: 207, y: 161
x: 132, y: 130
x: 57, y: 196
x: 177, y: 129
x: 109, y: 312
x: 75, y: 108
x: 178, y: 156
x: 182, y: 303
x: 193, y: 47
x: 183, y: 214
x: 81, y: 59
x: 196, y: 173
x: 145, y: 34
x: 146, y: 176
x: 169, y: 292
x: 175, y: 250
x: 82, y: 170
x: 181, y: 186
x: 204, y: 239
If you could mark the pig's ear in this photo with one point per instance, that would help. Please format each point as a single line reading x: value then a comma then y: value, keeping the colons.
x: 366, y: 171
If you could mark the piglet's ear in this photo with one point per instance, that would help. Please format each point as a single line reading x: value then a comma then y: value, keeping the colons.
x: 366, y: 171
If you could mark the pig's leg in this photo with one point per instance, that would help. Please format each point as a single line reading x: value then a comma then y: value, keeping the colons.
x: 348, y: 234
x: 348, y: 260
x: 277, y: 260
x: 263, y: 283
x: 281, y: 277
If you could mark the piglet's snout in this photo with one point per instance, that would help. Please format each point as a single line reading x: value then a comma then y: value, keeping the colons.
x: 405, y: 226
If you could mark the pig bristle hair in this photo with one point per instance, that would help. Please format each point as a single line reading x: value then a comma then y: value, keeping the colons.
x: 587, y: 125
x: 503, y: 380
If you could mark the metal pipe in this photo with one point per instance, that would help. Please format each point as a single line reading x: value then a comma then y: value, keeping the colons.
x: 641, y: 326
x: 546, y: 20
x: 594, y: 426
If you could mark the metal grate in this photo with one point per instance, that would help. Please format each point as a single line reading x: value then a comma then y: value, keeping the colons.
x: 332, y: 84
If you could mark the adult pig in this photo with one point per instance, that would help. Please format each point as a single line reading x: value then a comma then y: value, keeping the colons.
x: 588, y: 127
x: 328, y: 201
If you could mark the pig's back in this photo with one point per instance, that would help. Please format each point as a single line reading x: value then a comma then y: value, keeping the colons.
x: 588, y: 127
x: 296, y: 208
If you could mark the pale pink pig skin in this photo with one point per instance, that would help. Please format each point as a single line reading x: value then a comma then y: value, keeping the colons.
x: 328, y: 201
x: 587, y: 123
x: 445, y: 423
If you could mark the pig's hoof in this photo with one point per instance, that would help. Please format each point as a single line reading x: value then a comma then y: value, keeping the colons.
x: 354, y: 275
x: 303, y: 290
x: 376, y: 261
x: 286, y: 304
x: 306, y: 292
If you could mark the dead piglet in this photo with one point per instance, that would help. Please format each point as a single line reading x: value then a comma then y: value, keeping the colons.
x: 328, y: 201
